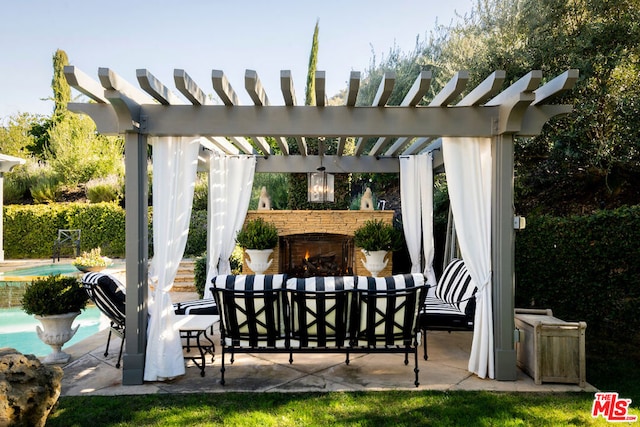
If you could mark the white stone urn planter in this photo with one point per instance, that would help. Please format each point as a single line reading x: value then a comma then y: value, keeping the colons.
x: 56, y: 332
x: 258, y: 260
x: 374, y: 261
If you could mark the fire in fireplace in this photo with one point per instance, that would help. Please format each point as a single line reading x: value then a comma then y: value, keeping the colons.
x: 316, y: 254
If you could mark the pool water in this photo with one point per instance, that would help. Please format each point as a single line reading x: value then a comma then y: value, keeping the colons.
x: 18, y: 330
x: 42, y: 270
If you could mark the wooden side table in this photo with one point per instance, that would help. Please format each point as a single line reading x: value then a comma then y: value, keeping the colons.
x: 550, y: 349
x: 193, y: 333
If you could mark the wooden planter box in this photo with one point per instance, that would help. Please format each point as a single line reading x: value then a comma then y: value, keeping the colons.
x: 550, y: 349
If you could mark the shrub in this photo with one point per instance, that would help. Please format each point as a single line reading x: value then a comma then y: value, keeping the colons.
x: 45, y: 190
x: 109, y: 189
x: 17, y: 184
x: 376, y: 235
x: 200, y: 274
x: 200, y: 269
x: 15, y: 190
x: 257, y: 234
x: 54, y: 295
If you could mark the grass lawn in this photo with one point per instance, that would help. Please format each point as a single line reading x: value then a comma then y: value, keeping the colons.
x: 398, y: 408
x: 608, y: 371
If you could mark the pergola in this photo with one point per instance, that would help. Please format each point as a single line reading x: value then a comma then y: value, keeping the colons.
x: 411, y: 128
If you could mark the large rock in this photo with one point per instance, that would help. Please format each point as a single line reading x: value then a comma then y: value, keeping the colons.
x: 28, y: 389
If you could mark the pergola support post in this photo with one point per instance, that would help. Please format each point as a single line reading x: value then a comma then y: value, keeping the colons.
x: 137, y: 254
x: 502, y: 257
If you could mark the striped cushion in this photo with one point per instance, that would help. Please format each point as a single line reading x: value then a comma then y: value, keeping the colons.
x: 456, y: 286
x: 108, y: 294
x: 251, y: 309
x: 389, y: 310
x: 399, y: 281
x: 322, y: 284
x: 436, y: 314
x: 257, y: 282
x: 319, y: 310
x: 206, y: 306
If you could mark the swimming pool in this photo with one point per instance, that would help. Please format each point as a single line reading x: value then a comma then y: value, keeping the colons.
x: 18, y: 330
x: 38, y: 271
x: 13, y: 282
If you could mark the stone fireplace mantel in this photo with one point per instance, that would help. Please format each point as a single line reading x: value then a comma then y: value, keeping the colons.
x: 345, y: 222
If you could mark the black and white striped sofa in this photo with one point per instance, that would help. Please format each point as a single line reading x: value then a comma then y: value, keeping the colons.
x: 345, y: 314
x: 451, y: 305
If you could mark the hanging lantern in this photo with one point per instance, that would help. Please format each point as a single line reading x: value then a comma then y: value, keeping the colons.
x: 320, y: 187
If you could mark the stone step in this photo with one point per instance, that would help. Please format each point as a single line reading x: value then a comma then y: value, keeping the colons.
x: 184, y: 278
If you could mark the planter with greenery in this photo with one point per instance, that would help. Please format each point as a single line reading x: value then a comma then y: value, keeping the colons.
x: 55, y: 301
x: 376, y: 238
x: 92, y: 261
x: 258, y: 238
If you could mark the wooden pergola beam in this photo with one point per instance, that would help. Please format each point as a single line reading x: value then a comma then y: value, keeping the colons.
x: 321, y: 93
x: 485, y: 90
x: 188, y: 88
x: 84, y: 84
x: 411, y: 99
x: 156, y: 89
x: 223, y: 88
x: 380, y: 100
x: 334, y: 121
x: 556, y: 86
x: 352, y: 95
x: 451, y: 90
x: 289, y: 95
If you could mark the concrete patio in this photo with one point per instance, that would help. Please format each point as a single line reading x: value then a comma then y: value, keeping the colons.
x: 90, y: 373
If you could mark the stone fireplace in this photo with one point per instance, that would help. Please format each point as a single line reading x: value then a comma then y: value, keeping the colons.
x: 316, y: 254
x: 318, y: 243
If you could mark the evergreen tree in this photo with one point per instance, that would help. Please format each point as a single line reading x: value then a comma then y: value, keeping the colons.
x: 310, y: 92
x: 298, y: 183
x: 61, y: 89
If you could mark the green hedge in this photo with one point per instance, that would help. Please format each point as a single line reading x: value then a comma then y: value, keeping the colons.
x: 584, y: 268
x: 30, y: 230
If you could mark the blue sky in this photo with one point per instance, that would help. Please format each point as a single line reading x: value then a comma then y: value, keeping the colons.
x: 198, y: 36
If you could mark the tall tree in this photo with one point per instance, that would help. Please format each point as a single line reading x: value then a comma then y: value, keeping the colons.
x: 310, y: 92
x: 61, y: 89
x: 297, y: 195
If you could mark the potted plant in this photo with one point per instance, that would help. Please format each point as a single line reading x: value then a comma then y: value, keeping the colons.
x: 55, y: 301
x: 92, y: 261
x: 375, y: 239
x: 258, y: 238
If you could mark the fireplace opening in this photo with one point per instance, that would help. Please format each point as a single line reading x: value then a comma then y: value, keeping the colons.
x: 316, y: 254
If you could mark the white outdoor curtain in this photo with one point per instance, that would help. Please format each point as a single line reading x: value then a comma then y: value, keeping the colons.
x: 416, y: 194
x: 230, y: 183
x: 175, y: 162
x: 468, y: 165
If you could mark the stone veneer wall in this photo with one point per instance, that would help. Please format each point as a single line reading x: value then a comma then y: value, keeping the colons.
x: 306, y: 221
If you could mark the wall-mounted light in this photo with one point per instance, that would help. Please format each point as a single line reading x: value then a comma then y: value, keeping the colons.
x: 320, y: 187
